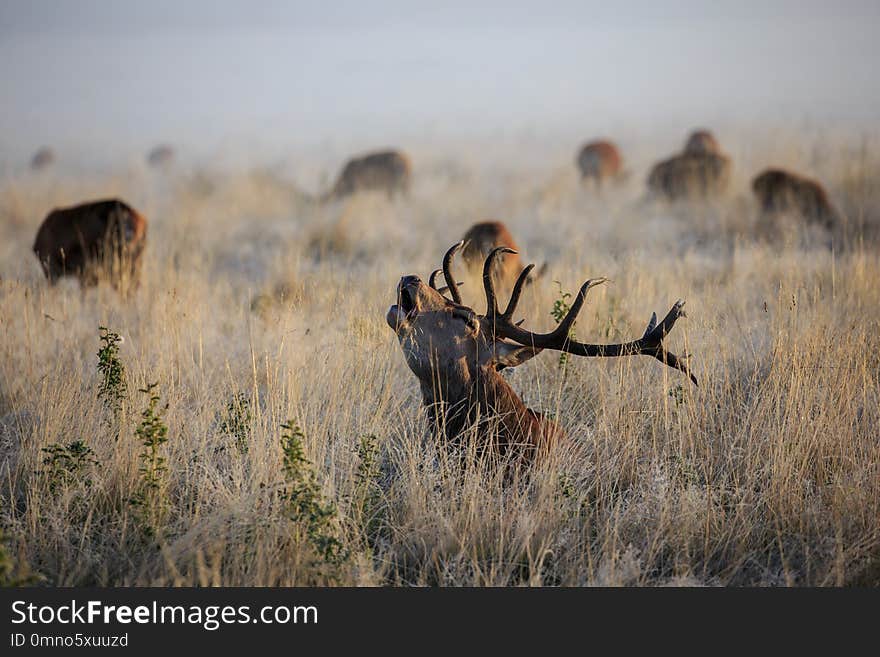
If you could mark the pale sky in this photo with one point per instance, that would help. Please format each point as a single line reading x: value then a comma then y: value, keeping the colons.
x: 126, y: 74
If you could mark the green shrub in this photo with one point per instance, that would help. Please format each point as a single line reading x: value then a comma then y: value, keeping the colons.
x: 237, y: 421
x: 149, y: 500
x: 113, y: 389
x: 316, y: 519
x: 561, y: 306
x: 64, y: 465
x: 366, y: 504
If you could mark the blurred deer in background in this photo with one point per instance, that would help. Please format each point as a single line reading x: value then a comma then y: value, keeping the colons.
x: 700, y: 171
x: 90, y: 240
x: 162, y: 156
x: 599, y: 161
x: 701, y: 142
x: 781, y: 192
x: 483, y: 238
x: 458, y: 355
x: 384, y: 171
x: 43, y: 159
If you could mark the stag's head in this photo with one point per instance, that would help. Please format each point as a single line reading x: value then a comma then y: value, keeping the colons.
x: 444, y: 340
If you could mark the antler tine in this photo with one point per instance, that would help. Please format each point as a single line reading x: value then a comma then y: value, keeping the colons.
x: 679, y: 363
x: 539, y: 273
x: 447, y: 271
x: 652, y: 324
x: 674, y: 313
x: 488, y: 283
x: 564, y: 327
x: 653, y: 340
x: 655, y: 332
x: 432, y: 280
x: 521, y: 281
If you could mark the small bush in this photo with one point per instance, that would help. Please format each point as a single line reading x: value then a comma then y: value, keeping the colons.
x: 149, y: 499
x: 315, y: 518
x: 65, y: 465
x: 113, y: 389
x: 366, y: 499
x: 237, y: 421
x: 561, y: 306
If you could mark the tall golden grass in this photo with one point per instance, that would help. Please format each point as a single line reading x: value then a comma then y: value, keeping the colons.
x: 768, y: 473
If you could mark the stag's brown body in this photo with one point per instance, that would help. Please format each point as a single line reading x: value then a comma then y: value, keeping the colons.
x: 385, y: 171
x: 599, y: 161
x: 781, y: 192
x: 85, y: 240
x: 43, y: 159
x: 457, y: 356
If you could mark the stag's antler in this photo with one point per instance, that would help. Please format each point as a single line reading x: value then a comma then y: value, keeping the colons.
x: 650, y: 344
x: 447, y: 271
x: 451, y: 284
x: 432, y: 281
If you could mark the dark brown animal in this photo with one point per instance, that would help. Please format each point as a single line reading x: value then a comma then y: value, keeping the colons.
x: 43, y: 159
x: 782, y: 192
x: 90, y: 240
x: 483, y: 238
x: 690, y: 175
x: 701, y: 142
x: 599, y: 161
x: 702, y: 171
x: 457, y: 356
x: 161, y: 156
x: 384, y: 171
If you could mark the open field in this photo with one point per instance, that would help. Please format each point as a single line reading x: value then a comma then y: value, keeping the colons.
x: 258, y: 307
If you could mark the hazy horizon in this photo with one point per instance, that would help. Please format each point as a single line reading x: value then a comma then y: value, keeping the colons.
x: 119, y: 77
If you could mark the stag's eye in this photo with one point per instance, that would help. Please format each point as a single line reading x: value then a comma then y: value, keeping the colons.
x: 407, y: 303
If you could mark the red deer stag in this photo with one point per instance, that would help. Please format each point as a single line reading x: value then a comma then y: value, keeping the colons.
x: 701, y: 171
x: 87, y: 240
x: 384, y: 171
x: 457, y: 355
x: 599, y: 161
x: 781, y: 192
x: 482, y: 238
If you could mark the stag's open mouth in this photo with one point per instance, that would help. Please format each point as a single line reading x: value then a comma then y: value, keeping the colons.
x: 405, y: 309
x: 407, y: 302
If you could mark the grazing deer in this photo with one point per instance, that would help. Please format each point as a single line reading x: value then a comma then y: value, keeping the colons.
x: 384, y: 171
x: 161, y: 156
x: 43, y: 159
x: 780, y: 192
x: 599, y: 161
x: 701, y: 142
x: 483, y: 238
x: 701, y: 171
x: 90, y: 239
x: 458, y: 355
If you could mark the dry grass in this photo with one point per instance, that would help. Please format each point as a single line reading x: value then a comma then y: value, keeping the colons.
x: 767, y: 474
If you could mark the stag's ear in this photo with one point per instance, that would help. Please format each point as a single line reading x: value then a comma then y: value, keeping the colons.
x: 511, y: 355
